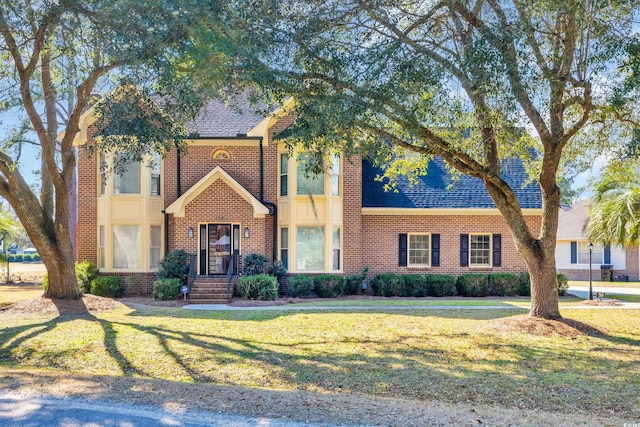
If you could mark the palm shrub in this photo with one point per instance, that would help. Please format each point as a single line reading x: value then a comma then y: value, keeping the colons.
x: 503, y: 284
x: 175, y: 265
x: 166, y: 289
x: 299, y: 286
x: 440, y: 285
x: 107, y: 286
x: 86, y: 272
x: 414, y: 285
x: 473, y: 285
x: 258, y: 286
x: 387, y: 284
x: 328, y: 285
x: 255, y: 264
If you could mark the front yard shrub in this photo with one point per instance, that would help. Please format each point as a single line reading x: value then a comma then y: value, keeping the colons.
x: 441, y: 285
x: 563, y: 284
x: 255, y: 264
x: 328, y: 285
x: 107, y: 286
x: 86, y: 272
x: 26, y: 258
x: 175, y: 265
x: 353, y: 282
x: 36, y: 258
x: 166, y: 289
x: 16, y: 258
x: 414, y: 285
x: 503, y: 284
x: 299, y: 286
x: 259, y: 286
x: 386, y: 284
x: 277, y: 269
x: 524, y: 284
x: 45, y: 282
x: 473, y: 285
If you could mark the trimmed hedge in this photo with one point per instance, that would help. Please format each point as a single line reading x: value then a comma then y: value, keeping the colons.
x: 86, y: 272
x: 353, y: 282
x: 259, y: 286
x: 503, y: 284
x: 473, y: 285
x: 175, y: 265
x: 299, y: 286
x: 16, y: 258
x: 328, y: 285
x: 387, y: 284
x: 414, y: 285
x: 440, y: 285
x: 107, y: 286
x: 255, y: 264
x: 166, y: 289
x: 524, y: 284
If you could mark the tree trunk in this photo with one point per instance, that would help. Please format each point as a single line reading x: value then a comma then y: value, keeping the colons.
x: 544, y: 287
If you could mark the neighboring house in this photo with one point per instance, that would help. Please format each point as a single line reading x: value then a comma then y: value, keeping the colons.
x: 238, y: 192
x: 572, y: 250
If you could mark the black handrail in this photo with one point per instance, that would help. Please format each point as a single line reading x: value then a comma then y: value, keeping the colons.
x: 191, y: 276
x: 230, y: 270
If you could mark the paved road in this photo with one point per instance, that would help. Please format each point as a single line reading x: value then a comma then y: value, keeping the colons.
x: 16, y: 411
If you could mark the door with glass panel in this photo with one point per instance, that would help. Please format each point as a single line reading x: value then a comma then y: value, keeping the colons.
x: 217, y: 243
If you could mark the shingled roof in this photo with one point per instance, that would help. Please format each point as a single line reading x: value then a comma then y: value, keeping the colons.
x: 218, y: 119
x: 571, y: 222
x: 431, y: 190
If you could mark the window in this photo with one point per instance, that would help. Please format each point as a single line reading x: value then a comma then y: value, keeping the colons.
x: 103, y: 175
x: 155, y: 171
x: 221, y: 154
x: 155, y: 246
x: 336, y: 248
x: 284, y: 247
x: 128, y: 181
x: 583, y: 254
x: 419, y: 250
x: 335, y: 175
x: 101, y: 262
x: 310, y: 249
x: 480, y: 250
x: 308, y: 182
x: 126, y: 246
x: 284, y: 174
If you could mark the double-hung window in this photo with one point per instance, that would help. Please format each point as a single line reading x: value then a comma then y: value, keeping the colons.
x: 480, y: 250
x: 128, y: 180
x: 419, y: 250
x: 583, y: 253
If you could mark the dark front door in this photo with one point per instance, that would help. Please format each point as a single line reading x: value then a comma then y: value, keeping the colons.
x: 217, y: 243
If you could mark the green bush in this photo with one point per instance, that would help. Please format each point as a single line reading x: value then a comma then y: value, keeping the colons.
x: 166, y: 289
x: 277, y: 269
x: 107, y: 286
x: 414, y: 285
x: 473, y: 285
x: 353, y: 282
x: 36, y: 258
x: 175, y: 265
x: 524, y: 284
x: 299, y: 286
x: 45, y: 282
x: 328, y: 285
x: 387, y: 284
x: 259, y: 286
x: 563, y: 284
x: 86, y: 272
x: 503, y: 284
x: 255, y: 264
x: 26, y: 258
x: 17, y: 257
x: 440, y: 285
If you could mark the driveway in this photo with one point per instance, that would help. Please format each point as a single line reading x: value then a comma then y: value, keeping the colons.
x: 610, y: 292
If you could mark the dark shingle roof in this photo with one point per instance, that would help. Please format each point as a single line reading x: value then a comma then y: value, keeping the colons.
x: 431, y: 190
x: 218, y: 119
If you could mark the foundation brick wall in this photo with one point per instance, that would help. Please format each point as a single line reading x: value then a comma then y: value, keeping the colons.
x: 380, y: 250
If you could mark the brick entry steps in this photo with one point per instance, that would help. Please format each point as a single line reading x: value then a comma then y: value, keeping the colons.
x: 208, y: 290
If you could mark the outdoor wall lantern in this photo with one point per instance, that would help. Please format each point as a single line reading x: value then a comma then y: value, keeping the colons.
x: 246, y: 232
x: 190, y: 232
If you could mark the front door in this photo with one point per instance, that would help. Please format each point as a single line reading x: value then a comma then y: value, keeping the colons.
x: 217, y: 243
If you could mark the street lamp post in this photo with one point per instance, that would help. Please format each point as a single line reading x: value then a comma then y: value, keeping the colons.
x: 590, y: 273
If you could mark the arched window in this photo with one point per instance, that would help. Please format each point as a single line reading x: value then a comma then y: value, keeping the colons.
x: 221, y: 154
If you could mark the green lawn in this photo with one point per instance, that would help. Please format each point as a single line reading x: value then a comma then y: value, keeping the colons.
x: 625, y: 297
x: 442, y: 355
x: 14, y: 293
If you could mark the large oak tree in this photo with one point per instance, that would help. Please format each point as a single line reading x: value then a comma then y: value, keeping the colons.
x: 474, y: 82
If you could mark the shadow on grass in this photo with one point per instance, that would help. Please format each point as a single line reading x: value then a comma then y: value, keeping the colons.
x: 452, y: 367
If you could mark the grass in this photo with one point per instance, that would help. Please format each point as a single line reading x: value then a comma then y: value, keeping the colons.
x: 625, y: 297
x: 441, y: 355
x: 14, y: 293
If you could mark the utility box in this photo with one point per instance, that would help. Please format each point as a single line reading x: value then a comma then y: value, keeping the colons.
x: 605, y: 272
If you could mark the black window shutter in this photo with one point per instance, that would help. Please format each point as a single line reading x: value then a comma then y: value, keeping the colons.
x: 607, y: 254
x: 497, y: 250
x: 464, y: 250
x: 574, y: 252
x: 435, y: 250
x: 402, y: 250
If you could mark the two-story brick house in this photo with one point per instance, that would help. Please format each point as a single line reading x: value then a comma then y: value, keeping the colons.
x: 237, y: 191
